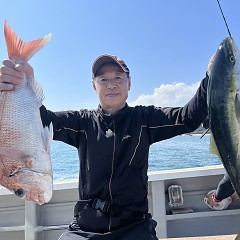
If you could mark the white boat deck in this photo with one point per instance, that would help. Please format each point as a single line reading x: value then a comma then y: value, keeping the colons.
x: 223, y: 237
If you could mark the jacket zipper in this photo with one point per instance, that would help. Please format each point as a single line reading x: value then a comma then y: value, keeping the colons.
x: 110, y: 180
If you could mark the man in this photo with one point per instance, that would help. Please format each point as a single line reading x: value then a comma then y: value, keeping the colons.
x: 113, y: 144
x: 223, y: 196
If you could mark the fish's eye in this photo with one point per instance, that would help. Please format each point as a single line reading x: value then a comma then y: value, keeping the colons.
x: 232, y: 59
x: 20, y: 193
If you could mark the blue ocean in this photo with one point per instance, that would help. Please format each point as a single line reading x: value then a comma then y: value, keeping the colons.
x: 175, y: 153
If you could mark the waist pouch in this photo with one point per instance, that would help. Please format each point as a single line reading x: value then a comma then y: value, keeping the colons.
x: 91, y: 216
x: 94, y: 216
x: 93, y: 220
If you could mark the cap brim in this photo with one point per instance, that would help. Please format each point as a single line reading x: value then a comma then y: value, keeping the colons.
x: 103, y: 60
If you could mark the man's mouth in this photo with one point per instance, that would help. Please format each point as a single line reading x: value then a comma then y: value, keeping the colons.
x: 112, y: 94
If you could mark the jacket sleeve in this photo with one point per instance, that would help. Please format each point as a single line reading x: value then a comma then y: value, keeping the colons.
x: 195, y: 111
x: 168, y: 122
x: 67, y: 125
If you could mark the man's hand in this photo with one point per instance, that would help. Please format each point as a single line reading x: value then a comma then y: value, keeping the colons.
x: 211, y: 202
x: 12, y: 75
x: 235, y: 197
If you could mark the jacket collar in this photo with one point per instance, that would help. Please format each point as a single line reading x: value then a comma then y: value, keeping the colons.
x: 117, y: 115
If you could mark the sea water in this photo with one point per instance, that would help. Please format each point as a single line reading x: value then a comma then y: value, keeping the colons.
x: 175, y: 153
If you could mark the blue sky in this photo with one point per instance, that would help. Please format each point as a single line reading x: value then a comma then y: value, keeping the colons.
x: 166, y: 44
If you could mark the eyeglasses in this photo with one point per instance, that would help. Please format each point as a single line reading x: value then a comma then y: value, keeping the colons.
x: 114, y: 81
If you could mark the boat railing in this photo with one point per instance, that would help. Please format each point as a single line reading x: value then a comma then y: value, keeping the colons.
x: 28, y: 221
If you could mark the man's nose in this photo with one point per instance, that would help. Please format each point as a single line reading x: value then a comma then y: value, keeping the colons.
x: 111, y: 85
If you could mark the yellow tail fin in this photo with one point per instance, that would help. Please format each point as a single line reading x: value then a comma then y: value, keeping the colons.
x: 237, y: 237
x: 19, y: 51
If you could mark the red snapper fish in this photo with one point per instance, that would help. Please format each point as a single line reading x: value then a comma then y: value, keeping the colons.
x: 25, y: 164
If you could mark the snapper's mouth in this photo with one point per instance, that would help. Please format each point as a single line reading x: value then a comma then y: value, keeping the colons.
x: 38, y: 198
x: 30, y: 185
x: 24, y: 170
x: 35, y: 195
x: 17, y: 171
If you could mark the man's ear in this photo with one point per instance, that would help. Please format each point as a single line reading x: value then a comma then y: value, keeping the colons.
x: 94, y: 87
x: 129, y: 83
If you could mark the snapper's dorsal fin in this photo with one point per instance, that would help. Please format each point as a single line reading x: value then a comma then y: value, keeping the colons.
x: 38, y: 90
x: 19, y: 51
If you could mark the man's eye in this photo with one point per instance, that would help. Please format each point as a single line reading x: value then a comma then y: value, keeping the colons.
x: 103, y: 80
x: 119, y: 79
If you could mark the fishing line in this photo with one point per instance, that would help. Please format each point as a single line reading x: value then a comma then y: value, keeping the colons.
x: 224, y: 18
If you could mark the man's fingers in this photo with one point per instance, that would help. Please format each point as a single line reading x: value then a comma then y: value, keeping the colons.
x: 25, y: 67
x: 12, y: 75
x: 8, y: 63
x: 6, y: 87
x: 235, y: 197
x: 21, y: 67
x: 8, y: 74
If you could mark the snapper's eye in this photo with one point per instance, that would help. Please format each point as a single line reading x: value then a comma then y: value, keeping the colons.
x: 20, y: 193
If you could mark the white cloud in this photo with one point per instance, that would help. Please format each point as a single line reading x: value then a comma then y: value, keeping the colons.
x: 168, y: 95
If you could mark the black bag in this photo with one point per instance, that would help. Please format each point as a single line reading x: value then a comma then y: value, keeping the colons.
x: 93, y: 216
x: 93, y: 220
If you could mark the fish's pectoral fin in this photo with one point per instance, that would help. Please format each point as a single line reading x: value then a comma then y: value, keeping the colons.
x: 213, y: 147
x: 237, y: 106
x: 17, y: 155
x: 47, y: 135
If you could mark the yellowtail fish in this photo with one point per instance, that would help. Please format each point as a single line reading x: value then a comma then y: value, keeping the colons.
x: 25, y: 164
x: 224, y: 108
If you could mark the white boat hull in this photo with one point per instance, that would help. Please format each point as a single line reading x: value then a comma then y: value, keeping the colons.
x: 28, y: 221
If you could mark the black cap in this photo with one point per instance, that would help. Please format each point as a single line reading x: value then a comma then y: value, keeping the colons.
x: 107, y: 58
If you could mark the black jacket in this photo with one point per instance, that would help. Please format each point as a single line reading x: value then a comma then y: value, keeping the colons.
x: 113, y: 150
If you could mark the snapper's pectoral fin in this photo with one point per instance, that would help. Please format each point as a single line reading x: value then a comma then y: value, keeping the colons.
x: 237, y: 106
x: 213, y: 147
x: 17, y: 155
x: 47, y: 135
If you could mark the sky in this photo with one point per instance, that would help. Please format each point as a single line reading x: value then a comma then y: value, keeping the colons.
x: 166, y: 44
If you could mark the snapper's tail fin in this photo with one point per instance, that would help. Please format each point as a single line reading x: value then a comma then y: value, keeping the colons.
x: 18, y: 50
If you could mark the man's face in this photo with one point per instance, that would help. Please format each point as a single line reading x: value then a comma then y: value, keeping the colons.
x: 112, y: 85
